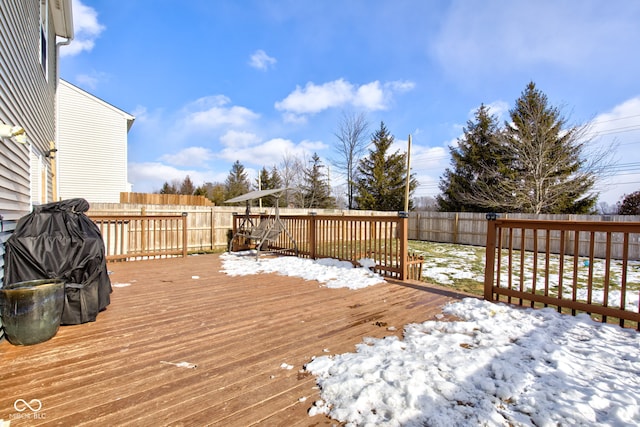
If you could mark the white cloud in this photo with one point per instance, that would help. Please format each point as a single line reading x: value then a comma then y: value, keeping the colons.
x: 429, y: 158
x: 270, y: 152
x: 212, y: 112
x: 310, y: 146
x: 294, y: 118
x: 91, y: 81
x: 314, y: 98
x: 192, y: 156
x: 149, y: 176
x: 369, y: 96
x: 400, y: 86
x: 618, y: 132
x: 235, y: 139
x: 140, y: 112
x: 427, y: 185
x: 86, y: 30
x: 621, y: 117
x: 261, y: 61
x: 498, y: 108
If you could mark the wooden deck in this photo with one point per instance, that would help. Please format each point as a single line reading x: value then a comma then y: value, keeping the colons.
x: 239, y: 331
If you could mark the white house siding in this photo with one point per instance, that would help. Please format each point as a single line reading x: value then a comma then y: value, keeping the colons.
x: 27, y: 99
x: 92, y: 146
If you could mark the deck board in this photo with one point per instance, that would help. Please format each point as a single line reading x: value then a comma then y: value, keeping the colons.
x: 237, y: 330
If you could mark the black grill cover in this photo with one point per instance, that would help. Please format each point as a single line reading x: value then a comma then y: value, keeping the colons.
x: 58, y: 241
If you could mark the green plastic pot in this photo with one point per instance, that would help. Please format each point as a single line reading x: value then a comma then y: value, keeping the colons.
x: 31, y: 310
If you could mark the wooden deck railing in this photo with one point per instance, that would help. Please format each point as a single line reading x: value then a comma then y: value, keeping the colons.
x: 131, y: 237
x: 350, y: 238
x: 552, y: 263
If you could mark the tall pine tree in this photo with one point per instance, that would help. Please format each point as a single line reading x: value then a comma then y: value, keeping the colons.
x: 534, y: 164
x: 270, y: 181
x: 237, y: 182
x: 315, y: 189
x: 474, y: 162
x: 547, y: 159
x: 382, y: 177
x: 168, y: 189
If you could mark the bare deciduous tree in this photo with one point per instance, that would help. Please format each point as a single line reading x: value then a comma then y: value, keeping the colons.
x: 352, y: 142
x: 291, y: 173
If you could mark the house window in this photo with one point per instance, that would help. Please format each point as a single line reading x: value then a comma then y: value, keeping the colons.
x: 44, y: 34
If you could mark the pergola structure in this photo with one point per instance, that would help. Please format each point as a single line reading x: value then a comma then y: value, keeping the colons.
x: 267, y: 229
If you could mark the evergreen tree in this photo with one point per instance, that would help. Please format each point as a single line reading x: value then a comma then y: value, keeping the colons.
x: 269, y: 181
x: 546, y: 159
x: 275, y: 181
x: 382, y: 177
x: 315, y: 189
x: 262, y: 181
x: 168, y: 189
x: 535, y: 164
x: 474, y: 160
x: 630, y: 205
x: 237, y: 182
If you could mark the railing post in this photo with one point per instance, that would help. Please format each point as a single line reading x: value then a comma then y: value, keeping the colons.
x: 311, y: 237
x: 144, y: 225
x: 185, y: 239
x: 490, y: 256
x: 403, y: 227
x: 234, y: 226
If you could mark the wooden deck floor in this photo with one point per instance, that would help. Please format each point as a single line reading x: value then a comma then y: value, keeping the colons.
x: 120, y: 370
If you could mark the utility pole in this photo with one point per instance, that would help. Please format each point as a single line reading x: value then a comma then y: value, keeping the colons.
x: 259, y: 189
x: 406, y: 190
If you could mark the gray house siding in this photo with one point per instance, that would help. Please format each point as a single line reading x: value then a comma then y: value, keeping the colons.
x: 27, y: 99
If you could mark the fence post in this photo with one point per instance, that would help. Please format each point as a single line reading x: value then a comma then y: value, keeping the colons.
x: 185, y: 240
x: 455, y: 229
x: 213, y: 229
x: 403, y: 227
x: 490, y: 256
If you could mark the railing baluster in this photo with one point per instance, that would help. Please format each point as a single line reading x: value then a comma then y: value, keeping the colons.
x: 623, y: 277
x: 561, y: 268
x: 576, y: 243
x: 522, y: 260
x: 563, y: 238
x: 607, y: 275
x: 510, y: 264
x: 534, y: 277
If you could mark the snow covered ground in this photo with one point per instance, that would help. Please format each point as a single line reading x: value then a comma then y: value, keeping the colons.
x: 495, y: 366
x: 447, y: 263
x: 329, y: 272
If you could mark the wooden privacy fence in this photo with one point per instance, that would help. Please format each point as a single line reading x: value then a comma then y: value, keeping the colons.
x: 165, y: 199
x: 131, y: 237
x: 382, y: 239
x: 554, y: 263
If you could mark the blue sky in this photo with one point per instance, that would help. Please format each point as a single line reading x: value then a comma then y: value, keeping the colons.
x: 215, y: 81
